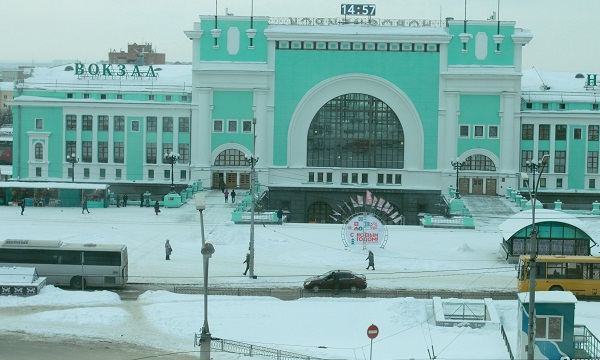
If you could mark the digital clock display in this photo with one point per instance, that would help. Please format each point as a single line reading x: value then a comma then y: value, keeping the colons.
x: 358, y: 9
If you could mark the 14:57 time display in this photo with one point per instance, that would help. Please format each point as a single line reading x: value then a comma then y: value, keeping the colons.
x: 358, y: 9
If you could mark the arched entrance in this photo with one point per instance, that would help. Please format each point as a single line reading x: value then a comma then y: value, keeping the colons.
x: 231, y: 170
x: 483, y: 179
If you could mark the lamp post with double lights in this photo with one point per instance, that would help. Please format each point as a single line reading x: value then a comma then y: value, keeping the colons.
x: 172, y: 158
x: 72, y: 159
x: 252, y: 160
x: 534, y: 167
x: 457, y: 165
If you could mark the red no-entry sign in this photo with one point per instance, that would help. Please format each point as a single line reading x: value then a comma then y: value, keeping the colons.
x: 372, y: 332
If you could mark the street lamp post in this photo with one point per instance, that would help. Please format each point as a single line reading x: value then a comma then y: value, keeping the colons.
x: 533, y: 251
x: 172, y: 158
x: 72, y: 159
x: 205, y: 336
x: 457, y: 165
x: 252, y: 160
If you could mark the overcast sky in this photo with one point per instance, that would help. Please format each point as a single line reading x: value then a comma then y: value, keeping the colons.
x: 37, y: 31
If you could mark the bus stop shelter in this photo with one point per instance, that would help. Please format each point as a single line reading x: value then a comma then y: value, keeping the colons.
x: 54, y: 193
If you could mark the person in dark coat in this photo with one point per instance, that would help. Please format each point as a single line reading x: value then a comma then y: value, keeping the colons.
x: 247, y: 262
x: 280, y: 216
x: 125, y: 200
x: 84, y: 206
x: 118, y: 200
x: 142, y: 200
x: 168, y: 250
x: 22, y: 205
x: 156, y: 207
x: 232, y: 196
x: 371, y: 259
x: 226, y: 193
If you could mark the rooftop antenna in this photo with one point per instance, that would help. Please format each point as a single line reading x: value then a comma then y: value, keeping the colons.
x: 498, y: 31
x: 465, y: 26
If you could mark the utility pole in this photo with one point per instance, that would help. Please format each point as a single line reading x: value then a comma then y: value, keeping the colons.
x: 252, y: 160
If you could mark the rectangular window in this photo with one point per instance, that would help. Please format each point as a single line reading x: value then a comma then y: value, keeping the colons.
x: 320, y: 177
x: 528, y: 105
x: 184, y: 153
x: 232, y: 126
x: 69, y: 95
x: 493, y: 132
x: 218, y: 126
x: 151, y: 153
x: 593, y: 132
x: 86, y: 151
x: 344, y: 178
x: 119, y: 152
x: 167, y: 174
x: 398, y: 179
x: 544, y: 106
x: 463, y: 131
x: 86, y: 172
x: 71, y: 122
x: 135, y: 125
x: 102, y: 173
x: 102, y: 122
x: 329, y: 177
x: 560, y: 162
x: 184, y: 124
x: 151, y: 123
x: 183, y: 175
x: 87, y: 122
x: 311, y: 177
x: 39, y: 151
x: 478, y: 131
x: 559, y: 183
x: 184, y: 98
x: 389, y: 178
x: 167, y: 124
x: 86, y: 96
x: 561, y: 132
x: 102, y: 151
x: 542, y: 182
x: 527, y: 132
x: 38, y: 171
x: 577, y: 134
x: 562, y: 106
x: 118, y: 173
x: 150, y: 97
x: 592, y: 162
x: 167, y: 97
x: 526, y: 155
x: 594, y: 106
x: 380, y: 178
x: 119, y: 123
x: 365, y: 178
x: 542, y: 153
x: 119, y: 96
x: 355, y: 178
x: 247, y: 126
x: 70, y: 173
x: 102, y: 96
x: 39, y: 124
x: 71, y: 148
x: 150, y: 174
x: 549, y: 327
x: 167, y: 149
x: 544, y: 132
x: 592, y: 183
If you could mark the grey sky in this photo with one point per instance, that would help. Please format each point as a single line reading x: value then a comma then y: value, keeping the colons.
x: 35, y: 31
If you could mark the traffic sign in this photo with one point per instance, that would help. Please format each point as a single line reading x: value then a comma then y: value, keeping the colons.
x: 372, y: 332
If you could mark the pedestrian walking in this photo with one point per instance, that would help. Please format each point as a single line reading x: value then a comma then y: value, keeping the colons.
x: 371, y: 259
x: 280, y: 216
x: 22, y: 205
x: 222, y: 185
x: 84, y: 206
x: 226, y: 193
x: 247, y: 262
x: 156, y: 207
x: 232, y: 196
x: 118, y: 201
x: 168, y: 250
x: 125, y: 197
x: 142, y: 200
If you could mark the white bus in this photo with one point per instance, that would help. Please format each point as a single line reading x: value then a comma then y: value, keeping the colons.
x: 64, y: 264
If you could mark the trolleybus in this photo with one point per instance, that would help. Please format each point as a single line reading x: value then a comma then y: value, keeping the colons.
x: 577, y: 274
x: 69, y: 264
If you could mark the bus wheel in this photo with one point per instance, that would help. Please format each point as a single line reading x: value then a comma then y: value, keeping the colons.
x: 556, y: 288
x: 76, y: 282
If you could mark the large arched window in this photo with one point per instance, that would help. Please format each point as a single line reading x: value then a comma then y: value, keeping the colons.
x: 230, y: 157
x: 39, y: 151
x: 355, y: 131
x: 320, y: 212
x: 479, y: 162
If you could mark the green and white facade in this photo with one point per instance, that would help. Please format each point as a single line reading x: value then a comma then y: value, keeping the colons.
x: 339, y: 109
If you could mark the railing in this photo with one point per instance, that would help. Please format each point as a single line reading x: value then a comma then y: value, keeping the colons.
x: 587, y: 346
x: 237, y: 347
x: 307, y: 21
x: 506, y: 343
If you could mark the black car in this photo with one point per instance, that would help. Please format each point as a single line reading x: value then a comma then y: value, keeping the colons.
x: 347, y: 279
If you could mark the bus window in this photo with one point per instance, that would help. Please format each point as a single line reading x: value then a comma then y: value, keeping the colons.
x: 556, y: 270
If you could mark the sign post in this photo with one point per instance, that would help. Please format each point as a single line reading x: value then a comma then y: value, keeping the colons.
x: 372, y: 332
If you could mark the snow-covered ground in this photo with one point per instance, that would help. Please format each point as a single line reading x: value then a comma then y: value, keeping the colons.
x: 414, y: 257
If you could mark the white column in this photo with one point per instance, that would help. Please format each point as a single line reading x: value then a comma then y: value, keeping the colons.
x: 451, y: 128
x: 509, y: 134
x: 262, y: 128
x: 201, y: 123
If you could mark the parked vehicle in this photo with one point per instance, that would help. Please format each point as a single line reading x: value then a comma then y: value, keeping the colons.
x: 347, y: 279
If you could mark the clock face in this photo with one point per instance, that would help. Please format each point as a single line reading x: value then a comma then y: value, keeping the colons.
x: 358, y: 9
